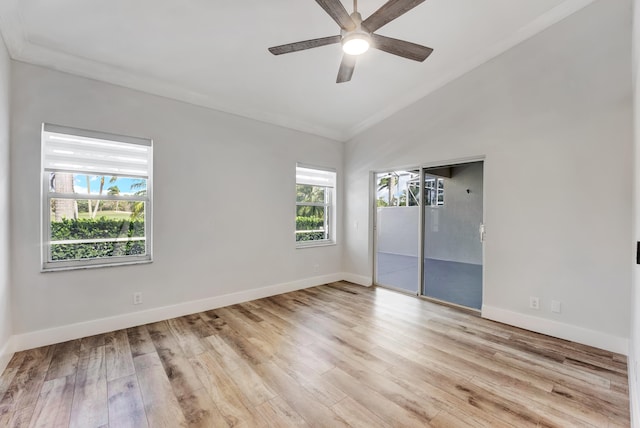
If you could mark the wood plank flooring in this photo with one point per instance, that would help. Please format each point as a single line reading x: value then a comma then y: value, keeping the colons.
x: 337, y: 355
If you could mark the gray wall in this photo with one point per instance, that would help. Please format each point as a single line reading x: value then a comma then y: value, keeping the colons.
x: 5, y: 295
x: 208, y: 241
x: 553, y: 110
x: 634, y: 347
x: 451, y: 230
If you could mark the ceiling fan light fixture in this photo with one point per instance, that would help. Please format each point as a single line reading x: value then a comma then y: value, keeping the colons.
x: 356, y: 43
x: 357, y: 36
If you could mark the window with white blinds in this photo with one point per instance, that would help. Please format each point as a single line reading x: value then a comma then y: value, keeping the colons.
x: 315, y: 206
x: 96, y: 206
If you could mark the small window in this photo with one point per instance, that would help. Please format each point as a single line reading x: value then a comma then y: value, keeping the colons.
x: 96, y: 205
x: 315, y: 206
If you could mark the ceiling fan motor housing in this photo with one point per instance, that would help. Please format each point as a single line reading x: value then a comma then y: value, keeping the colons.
x: 358, y: 40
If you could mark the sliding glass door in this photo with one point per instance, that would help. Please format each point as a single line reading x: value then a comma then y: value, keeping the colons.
x: 428, y: 225
x: 397, y: 220
x: 452, y: 245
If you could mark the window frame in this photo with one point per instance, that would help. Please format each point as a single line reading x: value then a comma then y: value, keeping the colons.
x: 46, y: 196
x: 329, y: 205
x: 436, y: 190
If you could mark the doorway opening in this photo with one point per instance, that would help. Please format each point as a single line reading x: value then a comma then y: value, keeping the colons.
x: 429, y: 232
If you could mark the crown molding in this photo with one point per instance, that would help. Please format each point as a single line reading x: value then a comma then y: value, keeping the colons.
x: 21, y: 49
x: 37, y: 55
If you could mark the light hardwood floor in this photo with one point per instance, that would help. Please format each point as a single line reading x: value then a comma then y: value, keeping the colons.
x: 331, y: 356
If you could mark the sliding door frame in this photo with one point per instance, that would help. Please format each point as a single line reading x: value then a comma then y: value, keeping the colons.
x: 421, y: 236
x: 421, y: 232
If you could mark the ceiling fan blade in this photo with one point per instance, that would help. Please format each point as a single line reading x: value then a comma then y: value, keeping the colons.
x: 347, y: 66
x: 388, y: 12
x: 307, y: 44
x: 400, y: 47
x: 336, y: 10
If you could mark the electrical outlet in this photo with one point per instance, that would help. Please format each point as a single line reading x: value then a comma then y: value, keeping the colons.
x: 316, y: 268
x: 534, y: 303
x: 137, y: 298
x: 556, y: 306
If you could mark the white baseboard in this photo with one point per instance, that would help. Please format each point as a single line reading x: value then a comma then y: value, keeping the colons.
x: 557, y: 329
x: 367, y: 281
x: 50, y: 336
x: 6, y: 353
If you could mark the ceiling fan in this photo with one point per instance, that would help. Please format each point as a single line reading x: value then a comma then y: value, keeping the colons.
x: 357, y: 35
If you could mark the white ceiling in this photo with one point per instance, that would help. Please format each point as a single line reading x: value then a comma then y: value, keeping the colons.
x: 214, y: 52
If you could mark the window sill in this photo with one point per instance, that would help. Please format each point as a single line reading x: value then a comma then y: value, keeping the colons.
x: 46, y: 269
x: 313, y: 244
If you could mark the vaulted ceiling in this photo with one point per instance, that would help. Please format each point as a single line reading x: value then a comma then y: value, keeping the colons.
x: 214, y: 53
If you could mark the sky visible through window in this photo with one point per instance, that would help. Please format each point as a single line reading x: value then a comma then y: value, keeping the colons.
x: 123, y: 183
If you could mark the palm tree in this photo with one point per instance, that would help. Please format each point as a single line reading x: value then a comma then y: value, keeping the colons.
x: 62, y: 182
x: 88, y: 192
x: 138, y: 206
x: 389, y: 183
x: 310, y: 194
x: 114, y: 190
x: 94, y: 211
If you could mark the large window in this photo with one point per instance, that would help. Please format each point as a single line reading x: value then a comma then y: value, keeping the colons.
x: 96, y: 205
x: 315, y: 206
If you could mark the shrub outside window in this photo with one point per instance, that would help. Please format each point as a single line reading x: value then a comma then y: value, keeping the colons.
x: 315, y: 206
x: 96, y: 205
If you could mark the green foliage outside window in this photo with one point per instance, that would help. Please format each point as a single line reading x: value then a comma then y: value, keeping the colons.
x: 309, y: 214
x: 100, y: 228
x: 312, y: 224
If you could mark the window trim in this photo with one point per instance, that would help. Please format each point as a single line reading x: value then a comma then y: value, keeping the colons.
x: 330, y: 209
x: 46, y: 264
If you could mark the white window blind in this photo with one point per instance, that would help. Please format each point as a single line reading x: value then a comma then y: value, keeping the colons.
x: 315, y: 177
x: 105, y: 223
x: 88, y: 152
